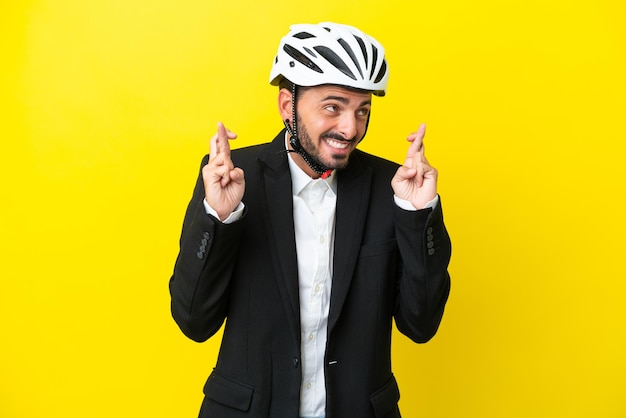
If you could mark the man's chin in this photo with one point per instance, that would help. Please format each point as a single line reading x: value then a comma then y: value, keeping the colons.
x: 338, y: 162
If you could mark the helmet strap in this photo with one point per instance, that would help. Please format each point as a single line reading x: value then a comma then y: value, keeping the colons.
x: 315, y: 165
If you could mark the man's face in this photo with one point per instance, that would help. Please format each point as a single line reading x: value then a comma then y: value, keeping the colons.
x: 331, y: 122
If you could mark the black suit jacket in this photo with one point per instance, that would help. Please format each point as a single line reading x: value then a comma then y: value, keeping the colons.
x: 388, y: 264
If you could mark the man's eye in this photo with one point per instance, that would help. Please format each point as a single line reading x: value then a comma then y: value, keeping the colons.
x: 331, y: 108
x: 363, y: 112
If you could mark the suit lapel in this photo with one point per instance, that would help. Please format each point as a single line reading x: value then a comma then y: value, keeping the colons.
x: 279, y: 213
x: 353, y: 192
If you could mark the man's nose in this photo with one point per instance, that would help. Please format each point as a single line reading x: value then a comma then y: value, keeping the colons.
x: 348, y: 126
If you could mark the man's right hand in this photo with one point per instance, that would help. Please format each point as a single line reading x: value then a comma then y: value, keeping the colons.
x: 224, y: 183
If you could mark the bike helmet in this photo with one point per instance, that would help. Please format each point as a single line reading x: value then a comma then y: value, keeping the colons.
x: 331, y: 53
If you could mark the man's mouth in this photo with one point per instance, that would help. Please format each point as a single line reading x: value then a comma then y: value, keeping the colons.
x: 333, y: 143
x: 337, y: 142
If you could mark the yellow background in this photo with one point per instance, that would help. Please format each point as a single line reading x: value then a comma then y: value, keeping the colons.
x: 107, y: 108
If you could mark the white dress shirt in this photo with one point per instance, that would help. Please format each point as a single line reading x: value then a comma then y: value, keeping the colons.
x: 314, y: 203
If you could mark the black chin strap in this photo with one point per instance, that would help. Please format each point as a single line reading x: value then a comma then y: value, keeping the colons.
x: 315, y: 165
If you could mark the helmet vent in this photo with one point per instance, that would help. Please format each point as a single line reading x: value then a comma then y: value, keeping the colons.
x: 345, y: 46
x: 301, y: 58
x: 331, y: 57
x: 362, y: 45
x: 382, y: 72
x: 303, y: 35
x: 374, y: 60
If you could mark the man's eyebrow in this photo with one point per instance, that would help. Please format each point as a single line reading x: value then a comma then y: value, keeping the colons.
x: 345, y: 100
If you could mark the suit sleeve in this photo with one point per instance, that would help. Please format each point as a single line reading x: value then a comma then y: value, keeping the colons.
x: 423, y: 279
x: 203, y: 269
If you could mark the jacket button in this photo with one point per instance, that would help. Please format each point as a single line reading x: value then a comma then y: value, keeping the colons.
x: 206, y: 235
x: 200, y: 255
x: 429, y: 230
x: 431, y: 251
x: 296, y: 362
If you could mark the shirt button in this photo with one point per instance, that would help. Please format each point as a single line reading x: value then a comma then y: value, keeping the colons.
x: 322, y: 239
x: 311, y: 336
x: 308, y: 385
x: 317, y: 288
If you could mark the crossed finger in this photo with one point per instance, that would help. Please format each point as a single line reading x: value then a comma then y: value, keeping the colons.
x: 219, y: 155
x: 220, y: 147
x: 416, y: 149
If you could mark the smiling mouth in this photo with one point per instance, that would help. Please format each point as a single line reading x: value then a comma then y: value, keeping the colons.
x: 339, y: 145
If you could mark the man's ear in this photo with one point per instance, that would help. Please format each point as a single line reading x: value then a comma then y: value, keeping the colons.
x: 284, y: 104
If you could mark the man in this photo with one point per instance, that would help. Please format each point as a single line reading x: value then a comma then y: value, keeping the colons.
x: 309, y: 248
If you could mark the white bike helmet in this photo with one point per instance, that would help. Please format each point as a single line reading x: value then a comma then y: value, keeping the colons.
x: 331, y: 53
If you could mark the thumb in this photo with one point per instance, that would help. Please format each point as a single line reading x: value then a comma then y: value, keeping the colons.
x: 405, y: 173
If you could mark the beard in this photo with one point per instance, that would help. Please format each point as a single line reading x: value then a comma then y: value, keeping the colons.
x: 334, y: 161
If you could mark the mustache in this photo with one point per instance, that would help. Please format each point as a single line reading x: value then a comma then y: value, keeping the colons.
x: 338, y: 137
